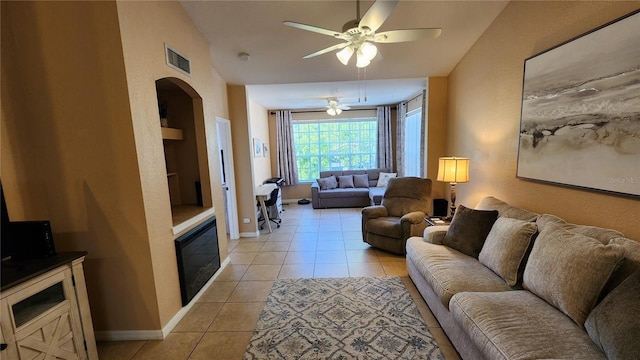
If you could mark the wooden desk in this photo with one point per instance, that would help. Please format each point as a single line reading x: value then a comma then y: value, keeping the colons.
x: 262, y: 193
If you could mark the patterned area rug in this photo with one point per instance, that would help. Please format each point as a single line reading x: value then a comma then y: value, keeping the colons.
x: 341, y: 318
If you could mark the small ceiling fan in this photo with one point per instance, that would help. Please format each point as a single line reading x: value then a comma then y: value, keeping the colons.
x: 334, y: 107
x: 360, y: 34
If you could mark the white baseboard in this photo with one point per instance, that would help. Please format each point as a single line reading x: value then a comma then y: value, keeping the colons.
x: 120, y: 335
x: 249, y: 234
x: 128, y: 335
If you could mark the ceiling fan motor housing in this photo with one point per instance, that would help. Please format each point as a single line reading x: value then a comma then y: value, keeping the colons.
x: 351, y: 27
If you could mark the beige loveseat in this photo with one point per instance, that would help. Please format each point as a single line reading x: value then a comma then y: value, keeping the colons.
x: 536, y: 287
x: 355, y: 194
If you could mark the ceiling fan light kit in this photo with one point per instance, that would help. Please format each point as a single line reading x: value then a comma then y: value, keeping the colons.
x: 334, y: 108
x: 366, y: 53
x: 334, y: 112
x: 360, y: 34
x: 344, y: 55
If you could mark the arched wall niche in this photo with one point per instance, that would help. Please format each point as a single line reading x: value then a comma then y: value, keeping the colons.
x: 181, y: 116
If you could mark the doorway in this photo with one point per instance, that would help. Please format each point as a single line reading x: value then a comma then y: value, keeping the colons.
x: 227, y: 177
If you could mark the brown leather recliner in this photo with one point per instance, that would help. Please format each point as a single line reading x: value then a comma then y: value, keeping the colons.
x: 406, y: 202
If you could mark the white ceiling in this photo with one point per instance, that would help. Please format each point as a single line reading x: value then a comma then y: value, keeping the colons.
x: 277, y: 77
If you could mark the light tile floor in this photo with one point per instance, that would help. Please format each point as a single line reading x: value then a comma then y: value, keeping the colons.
x: 309, y: 243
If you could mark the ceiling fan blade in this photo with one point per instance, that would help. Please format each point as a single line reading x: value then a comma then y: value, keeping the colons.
x: 326, y: 50
x: 395, y: 36
x: 312, y: 28
x: 377, y: 14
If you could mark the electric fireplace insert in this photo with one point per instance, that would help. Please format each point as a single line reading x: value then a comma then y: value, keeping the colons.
x: 198, y: 258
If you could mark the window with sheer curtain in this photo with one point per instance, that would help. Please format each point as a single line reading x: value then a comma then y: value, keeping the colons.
x: 340, y: 144
x: 412, y: 148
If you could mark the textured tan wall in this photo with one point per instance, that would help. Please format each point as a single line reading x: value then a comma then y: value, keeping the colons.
x: 484, y: 111
x: 259, y: 124
x: 145, y: 28
x: 68, y: 150
x: 242, y: 158
x: 436, y: 132
x: 81, y: 144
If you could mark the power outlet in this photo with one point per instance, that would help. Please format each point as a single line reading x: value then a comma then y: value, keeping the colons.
x: 246, y: 220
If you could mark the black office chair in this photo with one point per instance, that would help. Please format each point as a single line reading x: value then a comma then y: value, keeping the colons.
x: 270, y: 204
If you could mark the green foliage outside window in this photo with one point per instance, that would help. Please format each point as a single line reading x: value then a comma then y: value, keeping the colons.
x: 345, y: 144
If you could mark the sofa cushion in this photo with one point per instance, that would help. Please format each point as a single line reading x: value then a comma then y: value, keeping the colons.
x: 361, y: 180
x: 448, y: 271
x: 601, y: 234
x: 342, y: 193
x: 506, y: 210
x: 628, y: 265
x: 614, y: 325
x: 383, y: 178
x: 569, y: 270
x: 435, y: 234
x: 376, y: 194
x: 506, y: 246
x: 469, y: 229
x: 345, y: 181
x: 389, y: 226
x: 327, y: 183
x: 520, y: 325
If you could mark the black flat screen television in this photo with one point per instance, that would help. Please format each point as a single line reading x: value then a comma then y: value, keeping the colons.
x: 24, y: 239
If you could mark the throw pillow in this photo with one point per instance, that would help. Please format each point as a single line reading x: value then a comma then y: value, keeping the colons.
x: 383, y: 179
x: 361, y: 181
x: 569, y: 270
x: 327, y: 183
x: 601, y: 234
x: 506, y: 246
x: 345, y: 181
x: 469, y: 229
x: 613, y: 325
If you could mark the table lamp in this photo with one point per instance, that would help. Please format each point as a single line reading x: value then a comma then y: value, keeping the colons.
x: 453, y: 170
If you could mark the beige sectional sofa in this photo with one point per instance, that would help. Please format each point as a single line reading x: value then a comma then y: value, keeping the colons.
x: 536, y: 287
x: 356, y: 194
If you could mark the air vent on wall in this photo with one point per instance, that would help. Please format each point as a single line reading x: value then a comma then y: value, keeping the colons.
x: 178, y: 61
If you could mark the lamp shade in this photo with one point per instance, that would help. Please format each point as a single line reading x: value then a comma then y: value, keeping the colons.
x: 453, y: 169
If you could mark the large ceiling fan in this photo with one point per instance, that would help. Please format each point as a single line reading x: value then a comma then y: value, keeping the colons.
x: 360, y: 34
x: 334, y: 107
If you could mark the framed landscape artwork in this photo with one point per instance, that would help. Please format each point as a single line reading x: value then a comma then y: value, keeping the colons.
x: 580, y: 120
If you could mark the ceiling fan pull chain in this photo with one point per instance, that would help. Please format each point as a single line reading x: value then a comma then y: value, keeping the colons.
x: 365, y: 84
x: 358, y: 85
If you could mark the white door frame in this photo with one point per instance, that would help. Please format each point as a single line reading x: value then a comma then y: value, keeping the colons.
x: 223, y: 127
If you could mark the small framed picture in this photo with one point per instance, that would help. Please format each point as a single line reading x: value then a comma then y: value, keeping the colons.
x: 265, y: 150
x: 257, y: 147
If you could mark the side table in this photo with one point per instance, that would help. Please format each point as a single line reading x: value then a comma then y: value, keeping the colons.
x: 433, y: 221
